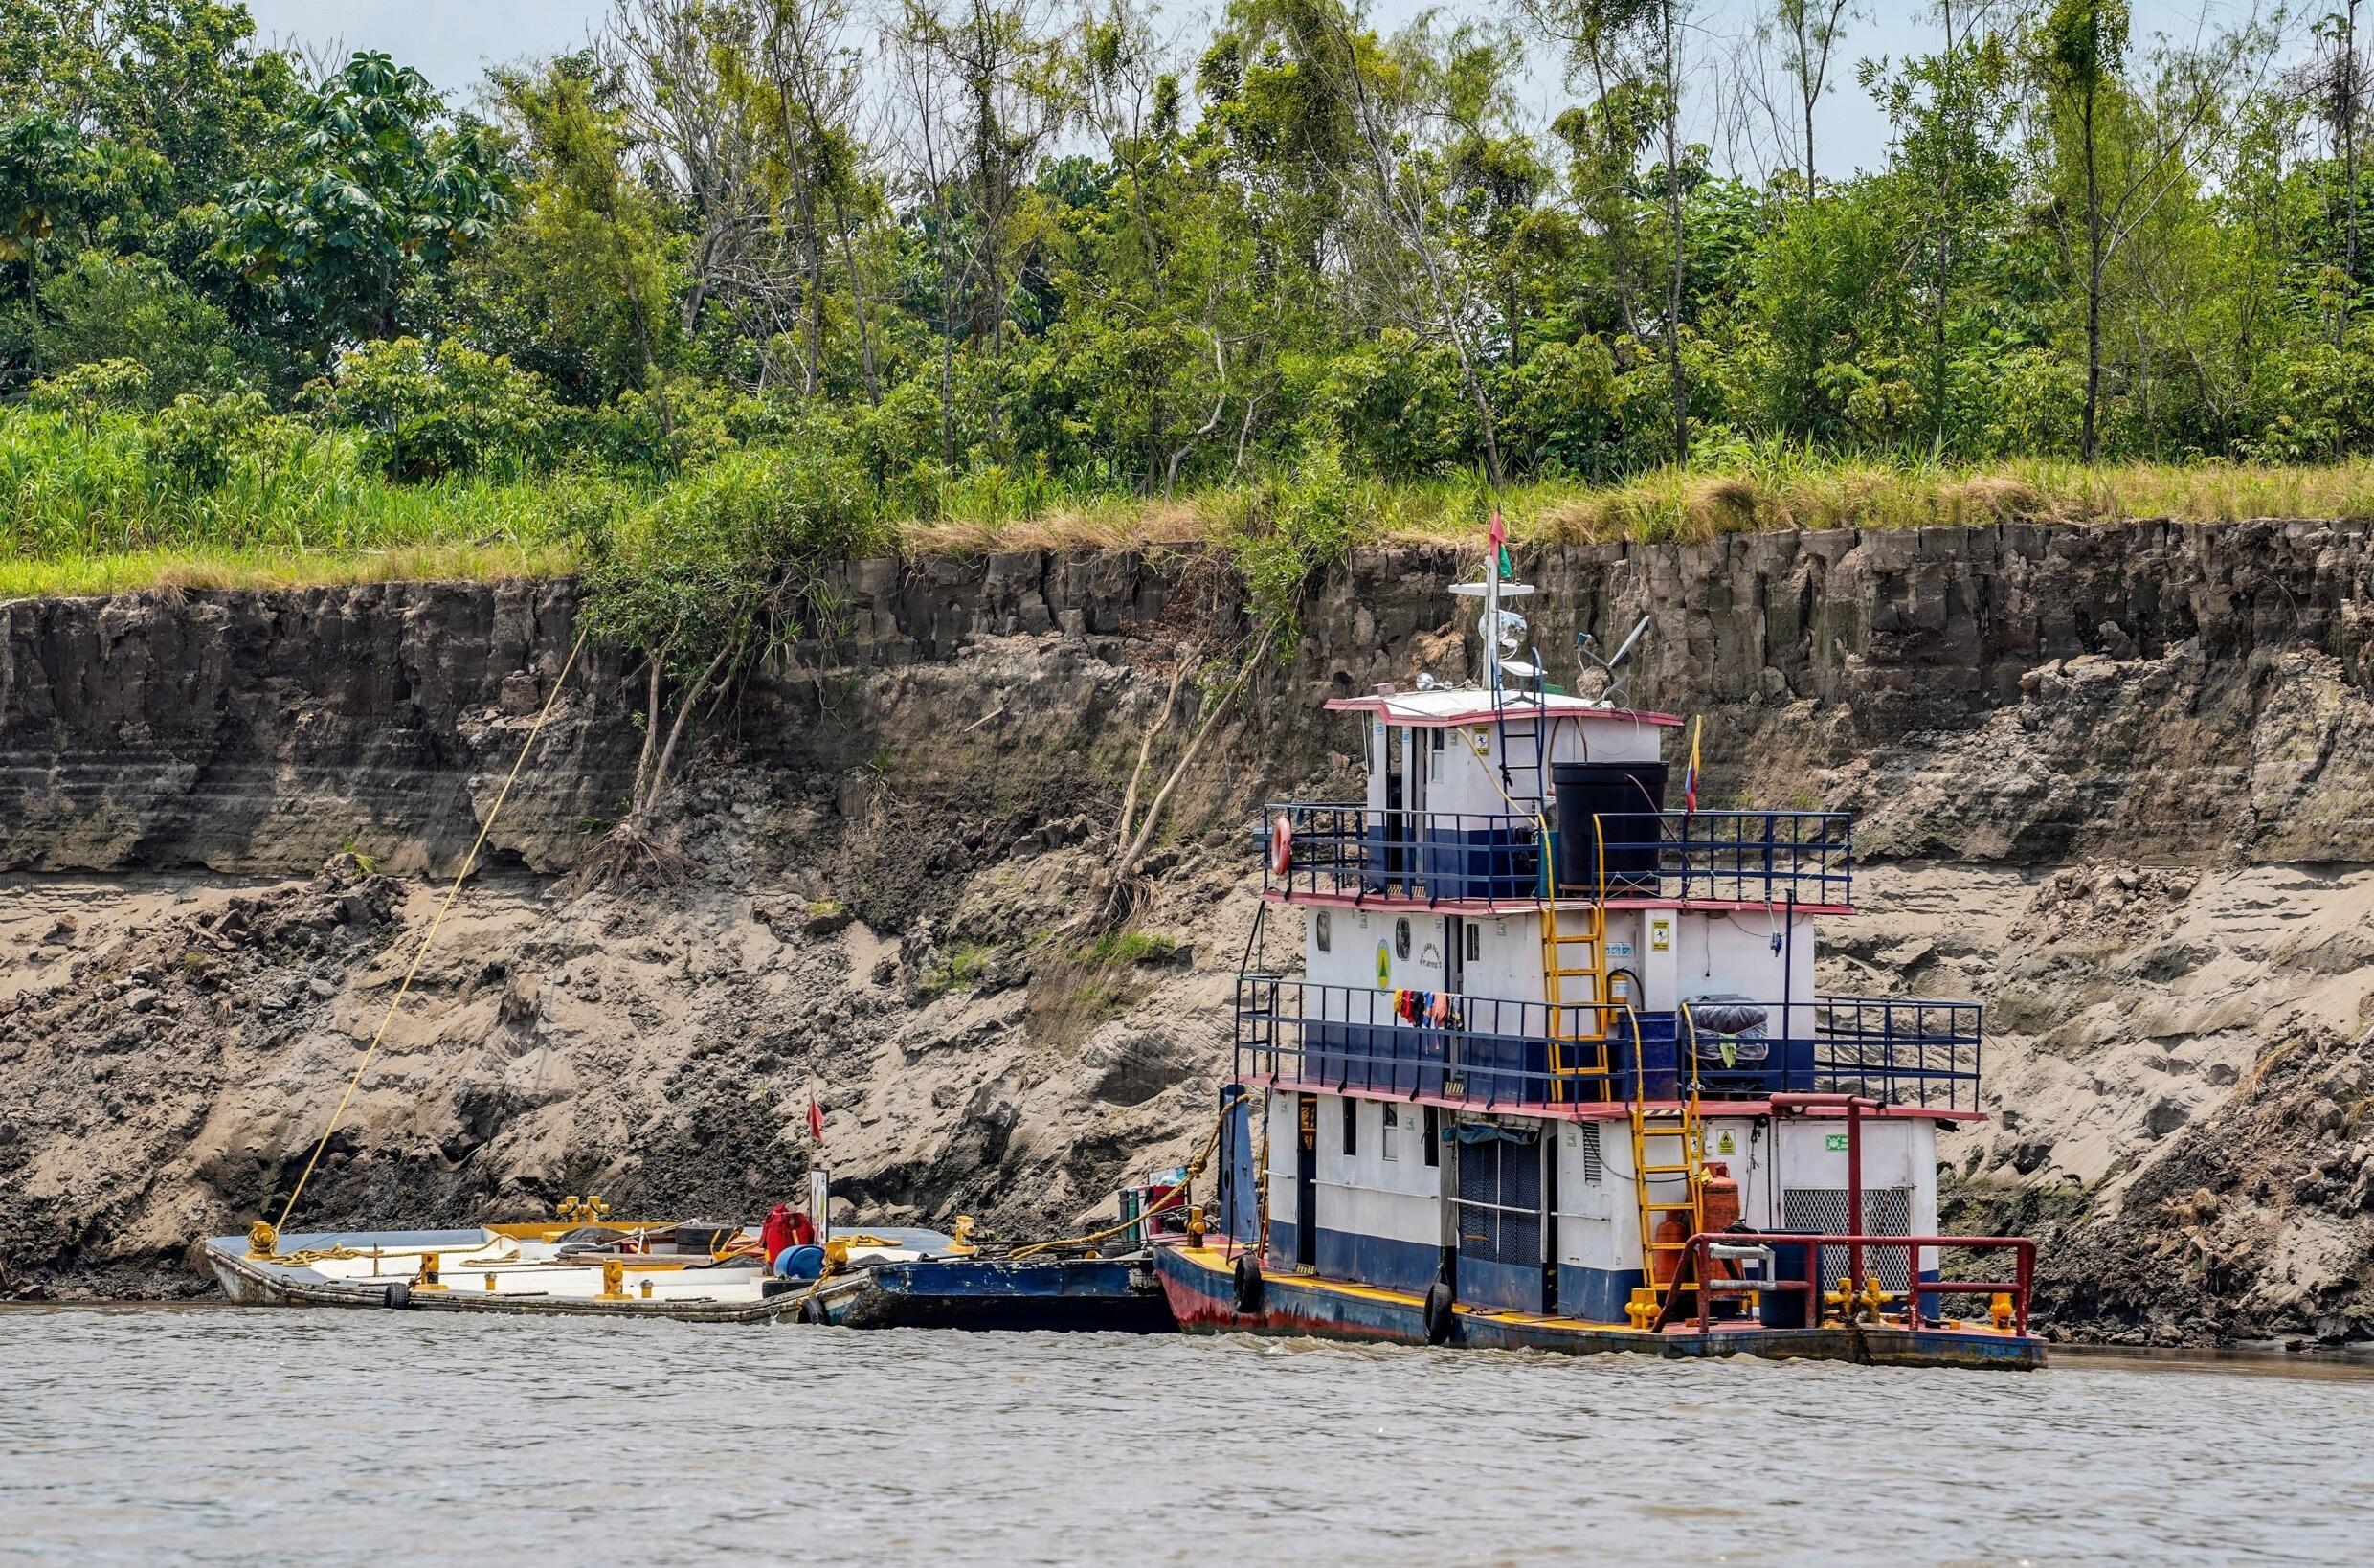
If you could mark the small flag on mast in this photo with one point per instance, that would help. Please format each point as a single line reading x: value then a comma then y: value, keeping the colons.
x: 1690, y: 778
x: 815, y: 1119
x: 1498, y: 534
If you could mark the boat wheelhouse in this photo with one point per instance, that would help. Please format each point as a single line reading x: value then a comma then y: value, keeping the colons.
x: 1555, y: 1069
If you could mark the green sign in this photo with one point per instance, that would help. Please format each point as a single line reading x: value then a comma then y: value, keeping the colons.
x: 1836, y: 1143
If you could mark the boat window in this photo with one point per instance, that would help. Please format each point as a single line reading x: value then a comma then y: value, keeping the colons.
x: 1352, y: 1126
x: 1432, y: 1133
x: 1401, y: 937
x: 1434, y: 755
x: 1320, y: 931
x: 1475, y: 942
x: 1385, y: 1137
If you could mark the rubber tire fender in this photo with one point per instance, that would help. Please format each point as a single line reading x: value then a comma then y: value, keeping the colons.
x: 1439, y: 1314
x: 398, y: 1295
x: 1248, y: 1283
x: 811, y: 1310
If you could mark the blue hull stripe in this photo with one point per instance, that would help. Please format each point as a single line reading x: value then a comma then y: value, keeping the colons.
x: 1514, y: 1287
x: 1599, y: 1294
x: 1376, y: 1260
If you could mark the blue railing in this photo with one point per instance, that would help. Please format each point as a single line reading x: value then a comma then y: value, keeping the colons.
x: 1432, y: 855
x: 1740, y: 856
x: 1492, y: 1052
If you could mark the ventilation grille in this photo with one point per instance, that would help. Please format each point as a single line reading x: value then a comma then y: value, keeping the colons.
x: 1887, y: 1211
x: 1500, y: 1201
x: 1593, y: 1172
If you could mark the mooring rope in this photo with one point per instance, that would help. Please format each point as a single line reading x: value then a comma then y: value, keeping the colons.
x: 428, y: 939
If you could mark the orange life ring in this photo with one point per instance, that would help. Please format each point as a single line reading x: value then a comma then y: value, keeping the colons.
x: 1280, y: 845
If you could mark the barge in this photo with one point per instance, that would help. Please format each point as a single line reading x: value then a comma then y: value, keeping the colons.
x: 1546, y: 1064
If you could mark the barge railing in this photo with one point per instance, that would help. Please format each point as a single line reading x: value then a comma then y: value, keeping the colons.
x: 1492, y: 1052
x: 1706, y: 1247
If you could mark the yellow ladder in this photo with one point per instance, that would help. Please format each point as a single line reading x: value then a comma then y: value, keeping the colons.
x: 1667, y: 1142
x: 1576, y: 956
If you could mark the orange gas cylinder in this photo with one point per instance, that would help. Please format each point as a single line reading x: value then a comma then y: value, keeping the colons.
x: 1722, y: 1196
x: 1723, y: 1208
x: 1671, y: 1232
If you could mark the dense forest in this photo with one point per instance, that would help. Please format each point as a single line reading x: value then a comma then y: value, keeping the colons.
x: 821, y: 264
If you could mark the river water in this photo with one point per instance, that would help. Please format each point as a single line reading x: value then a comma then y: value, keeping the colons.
x: 220, y: 1435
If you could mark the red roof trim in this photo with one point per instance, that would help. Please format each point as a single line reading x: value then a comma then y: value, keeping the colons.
x: 1527, y: 906
x: 1372, y: 704
x: 1601, y: 1110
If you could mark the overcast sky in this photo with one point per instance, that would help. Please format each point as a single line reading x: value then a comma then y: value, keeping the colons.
x: 453, y: 41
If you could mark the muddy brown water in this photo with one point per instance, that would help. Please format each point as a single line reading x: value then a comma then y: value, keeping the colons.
x: 225, y: 1435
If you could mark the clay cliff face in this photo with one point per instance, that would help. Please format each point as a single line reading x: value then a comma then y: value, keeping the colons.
x: 214, y: 812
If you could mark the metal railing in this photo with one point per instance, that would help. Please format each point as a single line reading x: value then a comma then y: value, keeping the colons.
x: 1740, y: 856
x: 1767, y: 857
x: 1707, y: 1249
x: 1494, y: 1052
x: 1907, y: 1051
x: 1432, y: 855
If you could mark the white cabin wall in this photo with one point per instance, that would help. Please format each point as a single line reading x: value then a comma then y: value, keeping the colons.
x: 1731, y: 951
x: 1379, y: 1216
x: 1282, y: 1186
x: 1508, y: 958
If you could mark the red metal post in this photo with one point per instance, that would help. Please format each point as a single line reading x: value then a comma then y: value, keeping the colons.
x: 1854, y: 1196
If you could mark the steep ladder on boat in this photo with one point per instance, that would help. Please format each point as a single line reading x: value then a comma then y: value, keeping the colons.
x: 1574, y: 958
x: 1667, y: 1142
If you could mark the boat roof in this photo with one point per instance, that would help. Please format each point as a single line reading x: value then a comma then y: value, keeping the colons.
x: 1449, y: 707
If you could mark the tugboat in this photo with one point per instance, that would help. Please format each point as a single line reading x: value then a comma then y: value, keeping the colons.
x: 1553, y: 1071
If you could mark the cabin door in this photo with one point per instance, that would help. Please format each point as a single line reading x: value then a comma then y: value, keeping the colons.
x: 1397, y: 797
x: 1306, y: 1182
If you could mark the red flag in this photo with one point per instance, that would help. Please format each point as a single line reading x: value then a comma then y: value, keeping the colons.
x: 1498, y: 532
x: 815, y: 1119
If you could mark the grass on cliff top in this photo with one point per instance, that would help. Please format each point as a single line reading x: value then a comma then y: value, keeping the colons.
x: 92, y: 506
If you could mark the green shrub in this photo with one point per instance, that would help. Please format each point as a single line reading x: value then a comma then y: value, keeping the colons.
x: 198, y: 438
x: 85, y: 390
x: 1315, y: 522
x: 109, y: 309
x: 427, y: 412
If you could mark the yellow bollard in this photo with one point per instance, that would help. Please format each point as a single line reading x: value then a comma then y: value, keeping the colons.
x: 1999, y: 1312
x: 1641, y: 1309
x: 613, y: 1280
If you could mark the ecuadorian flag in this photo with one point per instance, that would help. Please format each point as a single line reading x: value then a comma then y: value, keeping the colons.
x: 1690, y: 778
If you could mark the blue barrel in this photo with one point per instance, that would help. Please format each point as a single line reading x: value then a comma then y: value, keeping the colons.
x: 1655, y: 1055
x: 1786, y: 1309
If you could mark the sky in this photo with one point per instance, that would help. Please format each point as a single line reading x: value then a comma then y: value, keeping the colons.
x: 453, y: 41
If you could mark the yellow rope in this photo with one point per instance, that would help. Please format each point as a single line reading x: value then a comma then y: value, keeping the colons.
x: 1176, y: 1194
x: 428, y: 938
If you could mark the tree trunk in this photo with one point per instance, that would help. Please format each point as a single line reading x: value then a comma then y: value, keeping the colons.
x: 656, y: 785
x: 857, y: 302
x: 1673, y: 216
x: 2088, y: 439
